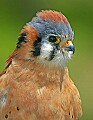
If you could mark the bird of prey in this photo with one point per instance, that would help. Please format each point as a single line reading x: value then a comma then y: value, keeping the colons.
x: 35, y: 84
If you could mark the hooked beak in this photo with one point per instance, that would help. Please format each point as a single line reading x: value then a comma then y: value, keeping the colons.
x: 68, y: 46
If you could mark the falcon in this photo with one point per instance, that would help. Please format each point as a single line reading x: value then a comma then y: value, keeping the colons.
x: 35, y: 85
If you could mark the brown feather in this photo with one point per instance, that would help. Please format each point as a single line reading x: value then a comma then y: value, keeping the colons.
x: 31, y: 91
x: 52, y: 15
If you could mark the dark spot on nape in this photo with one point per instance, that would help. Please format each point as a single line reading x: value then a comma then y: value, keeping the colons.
x: 6, y: 116
x: 37, y: 47
x: 17, y: 108
x: 21, y: 39
x: 69, y: 113
x: 72, y: 116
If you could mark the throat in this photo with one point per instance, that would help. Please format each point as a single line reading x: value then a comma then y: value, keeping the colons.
x: 24, y: 71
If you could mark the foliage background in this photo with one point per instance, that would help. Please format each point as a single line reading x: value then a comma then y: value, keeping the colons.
x: 15, y: 13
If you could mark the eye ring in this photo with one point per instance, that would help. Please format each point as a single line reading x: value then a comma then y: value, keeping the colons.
x: 54, y: 39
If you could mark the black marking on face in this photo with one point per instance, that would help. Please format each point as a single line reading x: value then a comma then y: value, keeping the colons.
x: 52, y: 54
x: 37, y: 47
x: 21, y: 39
x: 57, y: 46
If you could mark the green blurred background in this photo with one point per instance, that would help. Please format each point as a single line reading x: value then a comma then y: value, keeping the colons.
x: 15, y: 13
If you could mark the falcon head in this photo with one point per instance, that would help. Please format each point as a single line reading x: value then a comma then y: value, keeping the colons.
x: 52, y: 41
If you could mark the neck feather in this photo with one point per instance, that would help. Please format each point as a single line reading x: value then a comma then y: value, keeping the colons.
x: 35, y: 73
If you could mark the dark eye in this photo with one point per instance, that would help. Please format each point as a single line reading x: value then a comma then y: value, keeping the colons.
x: 52, y: 39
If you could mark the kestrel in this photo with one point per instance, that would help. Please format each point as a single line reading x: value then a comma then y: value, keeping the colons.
x: 35, y: 84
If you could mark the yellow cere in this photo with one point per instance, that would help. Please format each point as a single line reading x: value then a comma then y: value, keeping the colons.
x: 67, y: 43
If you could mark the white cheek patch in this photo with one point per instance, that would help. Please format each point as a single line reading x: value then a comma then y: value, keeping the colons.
x: 70, y: 54
x: 60, y: 57
x: 59, y: 60
x: 46, y: 49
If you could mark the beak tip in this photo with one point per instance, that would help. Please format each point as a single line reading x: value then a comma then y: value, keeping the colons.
x: 70, y: 48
